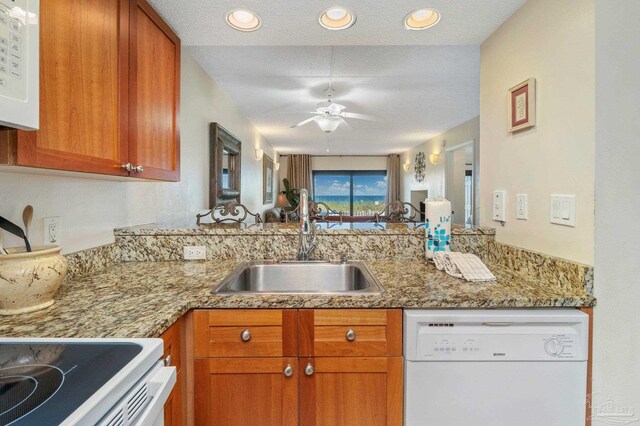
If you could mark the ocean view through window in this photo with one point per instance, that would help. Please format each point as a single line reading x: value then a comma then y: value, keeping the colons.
x: 355, y: 193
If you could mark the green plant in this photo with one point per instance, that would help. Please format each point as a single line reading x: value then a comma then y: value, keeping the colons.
x: 293, y: 195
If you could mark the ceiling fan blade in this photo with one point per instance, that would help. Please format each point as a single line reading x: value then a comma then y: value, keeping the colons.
x: 357, y: 116
x: 302, y: 123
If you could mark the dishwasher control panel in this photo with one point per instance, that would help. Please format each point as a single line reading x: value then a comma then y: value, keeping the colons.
x: 441, y: 336
x: 497, y: 347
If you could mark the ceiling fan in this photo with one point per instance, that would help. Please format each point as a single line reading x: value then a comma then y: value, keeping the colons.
x: 329, y: 115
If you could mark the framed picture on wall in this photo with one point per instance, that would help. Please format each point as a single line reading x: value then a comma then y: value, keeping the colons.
x: 267, y: 179
x: 522, y: 105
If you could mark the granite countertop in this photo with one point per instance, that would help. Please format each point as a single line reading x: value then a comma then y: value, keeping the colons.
x: 333, y: 228
x: 142, y: 299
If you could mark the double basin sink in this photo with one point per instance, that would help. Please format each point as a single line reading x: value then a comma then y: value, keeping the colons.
x: 300, y: 278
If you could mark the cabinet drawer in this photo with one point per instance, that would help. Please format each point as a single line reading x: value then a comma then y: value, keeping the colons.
x: 352, y: 332
x: 245, y: 333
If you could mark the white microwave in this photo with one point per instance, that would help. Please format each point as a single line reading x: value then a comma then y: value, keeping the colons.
x: 19, y: 63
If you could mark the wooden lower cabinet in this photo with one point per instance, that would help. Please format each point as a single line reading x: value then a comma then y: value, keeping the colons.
x: 351, y: 392
x: 246, y: 391
x: 173, y: 413
x: 345, y: 367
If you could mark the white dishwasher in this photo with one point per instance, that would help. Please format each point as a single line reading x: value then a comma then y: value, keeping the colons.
x: 495, y: 367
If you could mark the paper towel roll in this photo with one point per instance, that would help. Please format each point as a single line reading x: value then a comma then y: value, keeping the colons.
x: 437, y: 225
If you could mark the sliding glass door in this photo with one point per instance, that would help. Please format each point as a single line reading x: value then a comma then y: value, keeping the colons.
x: 353, y: 192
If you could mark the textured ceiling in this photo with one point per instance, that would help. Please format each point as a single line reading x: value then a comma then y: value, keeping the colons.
x: 419, y: 83
x: 417, y: 92
x: 295, y: 22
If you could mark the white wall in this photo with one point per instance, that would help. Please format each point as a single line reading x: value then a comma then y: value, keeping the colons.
x: 617, y: 270
x: 341, y: 162
x: 552, y: 41
x: 91, y: 206
x: 435, y: 174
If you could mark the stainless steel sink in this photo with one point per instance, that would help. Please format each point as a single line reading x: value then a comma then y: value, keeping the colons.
x: 300, y: 277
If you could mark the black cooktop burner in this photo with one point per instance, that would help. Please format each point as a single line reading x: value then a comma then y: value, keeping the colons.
x: 43, y: 383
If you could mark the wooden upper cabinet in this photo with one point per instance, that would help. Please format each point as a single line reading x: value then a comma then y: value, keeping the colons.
x: 109, y: 92
x: 154, y: 138
x: 84, y: 67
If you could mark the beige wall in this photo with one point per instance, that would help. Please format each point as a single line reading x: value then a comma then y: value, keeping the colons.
x: 435, y: 174
x: 91, y: 206
x: 552, y: 41
x: 616, y: 374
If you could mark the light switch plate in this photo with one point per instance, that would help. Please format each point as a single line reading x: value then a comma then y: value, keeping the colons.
x: 563, y: 210
x: 522, y: 206
x: 499, y: 206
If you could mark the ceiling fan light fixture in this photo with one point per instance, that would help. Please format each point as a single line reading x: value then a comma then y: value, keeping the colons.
x: 328, y: 124
x: 421, y: 19
x: 337, y: 18
x: 243, y: 20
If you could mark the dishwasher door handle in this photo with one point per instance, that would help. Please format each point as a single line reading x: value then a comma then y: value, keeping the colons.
x: 497, y: 324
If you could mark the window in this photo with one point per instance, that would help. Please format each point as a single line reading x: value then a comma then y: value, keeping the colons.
x: 356, y: 193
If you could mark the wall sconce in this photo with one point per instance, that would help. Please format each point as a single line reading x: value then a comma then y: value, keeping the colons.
x: 259, y: 154
x: 276, y: 166
x: 406, y: 166
x: 434, y: 158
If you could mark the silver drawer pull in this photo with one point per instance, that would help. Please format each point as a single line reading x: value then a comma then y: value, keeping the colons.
x: 167, y: 360
x: 288, y: 371
x: 351, y: 335
x: 308, y: 370
x: 245, y: 335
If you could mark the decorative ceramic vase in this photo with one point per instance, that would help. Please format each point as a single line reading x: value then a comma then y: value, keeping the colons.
x: 28, y: 281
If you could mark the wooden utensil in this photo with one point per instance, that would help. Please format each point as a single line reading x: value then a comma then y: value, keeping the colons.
x: 27, y: 216
x: 2, y: 250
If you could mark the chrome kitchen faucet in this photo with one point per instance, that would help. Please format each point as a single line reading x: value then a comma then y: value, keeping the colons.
x: 307, y: 241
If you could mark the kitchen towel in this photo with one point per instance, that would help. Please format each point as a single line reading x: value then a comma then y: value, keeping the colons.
x: 437, y: 226
x: 463, y: 265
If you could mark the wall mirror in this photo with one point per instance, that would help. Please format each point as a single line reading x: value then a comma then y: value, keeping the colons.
x: 224, y: 166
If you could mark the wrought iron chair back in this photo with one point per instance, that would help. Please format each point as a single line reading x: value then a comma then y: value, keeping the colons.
x: 231, y: 212
x: 398, y: 212
x: 318, y: 211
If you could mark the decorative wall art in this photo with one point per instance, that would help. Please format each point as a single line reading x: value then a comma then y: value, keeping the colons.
x: 420, y: 167
x: 267, y: 179
x: 522, y: 105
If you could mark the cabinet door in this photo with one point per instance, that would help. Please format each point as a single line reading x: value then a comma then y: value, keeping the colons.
x: 154, y: 141
x: 246, y: 391
x: 351, y: 392
x: 173, y: 405
x: 173, y: 338
x: 84, y: 71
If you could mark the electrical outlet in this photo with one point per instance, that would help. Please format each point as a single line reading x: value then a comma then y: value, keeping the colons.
x: 52, y: 230
x: 194, y: 252
x: 500, y: 206
x: 522, y: 206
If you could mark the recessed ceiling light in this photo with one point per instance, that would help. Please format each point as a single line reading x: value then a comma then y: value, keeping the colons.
x: 243, y: 20
x: 421, y: 19
x: 337, y: 18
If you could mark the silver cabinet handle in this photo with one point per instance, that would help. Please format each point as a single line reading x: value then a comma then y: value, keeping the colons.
x: 128, y: 167
x: 137, y: 169
x: 351, y: 335
x: 308, y: 370
x: 245, y: 335
x: 167, y: 360
x: 288, y: 371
